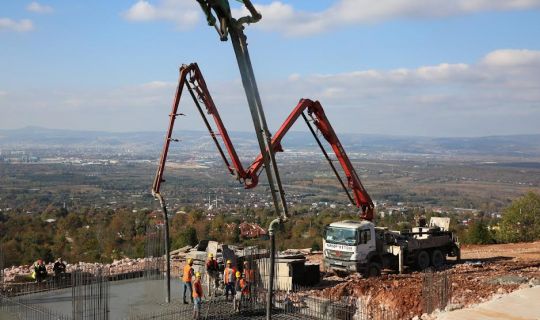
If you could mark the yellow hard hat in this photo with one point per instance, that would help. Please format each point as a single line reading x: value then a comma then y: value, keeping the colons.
x: 210, y: 255
x: 238, y: 274
x: 228, y: 261
x: 197, y: 274
x: 190, y: 261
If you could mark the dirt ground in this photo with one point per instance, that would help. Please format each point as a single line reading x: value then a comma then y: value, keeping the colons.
x: 485, y: 270
x: 527, y: 251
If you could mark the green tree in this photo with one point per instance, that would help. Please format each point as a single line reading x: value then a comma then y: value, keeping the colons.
x: 315, y: 246
x: 479, y: 234
x: 188, y: 237
x: 521, y: 220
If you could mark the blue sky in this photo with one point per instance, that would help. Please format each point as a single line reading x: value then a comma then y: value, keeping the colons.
x: 402, y: 67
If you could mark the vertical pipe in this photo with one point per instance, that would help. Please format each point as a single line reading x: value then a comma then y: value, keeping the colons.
x: 400, y: 257
x: 271, y: 233
x: 238, y: 40
x: 167, y: 251
x: 271, y: 276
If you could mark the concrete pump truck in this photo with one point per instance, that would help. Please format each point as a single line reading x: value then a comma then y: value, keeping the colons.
x: 349, y: 246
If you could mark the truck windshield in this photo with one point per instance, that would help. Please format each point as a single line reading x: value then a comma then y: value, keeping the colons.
x: 341, y: 236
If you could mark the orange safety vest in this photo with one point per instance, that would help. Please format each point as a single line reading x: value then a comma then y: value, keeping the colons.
x: 244, y: 286
x: 227, y: 275
x: 249, y: 275
x: 197, y: 289
x: 188, y: 273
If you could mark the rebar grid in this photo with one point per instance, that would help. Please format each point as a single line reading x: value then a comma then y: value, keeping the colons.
x: 18, y: 310
x: 436, y: 290
x: 90, y: 294
x: 1, y: 267
x: 154, y: 249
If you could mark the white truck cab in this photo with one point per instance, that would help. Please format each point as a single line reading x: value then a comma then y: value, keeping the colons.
x: 359, y: 246
x: 347, y: 245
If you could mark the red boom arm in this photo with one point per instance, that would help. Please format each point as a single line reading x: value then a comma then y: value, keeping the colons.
x: 316, y: 112
x: 191, y: 77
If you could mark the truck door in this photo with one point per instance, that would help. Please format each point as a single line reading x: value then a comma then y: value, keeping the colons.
x: 366, y: 241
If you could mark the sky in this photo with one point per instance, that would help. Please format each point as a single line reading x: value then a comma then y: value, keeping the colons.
x: 450, y: 68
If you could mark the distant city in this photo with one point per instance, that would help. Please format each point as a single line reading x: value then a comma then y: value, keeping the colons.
x: 113, y: 170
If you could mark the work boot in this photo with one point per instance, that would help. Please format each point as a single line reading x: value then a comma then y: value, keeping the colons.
x: 185, y: 302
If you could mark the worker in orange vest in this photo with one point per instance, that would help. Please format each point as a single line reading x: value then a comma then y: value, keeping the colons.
x: 197, y: 295
x: 242, y: 291
x: 249, y: 276
x: 229, y: 279
x: 212, y: 270
x: 187, y: 276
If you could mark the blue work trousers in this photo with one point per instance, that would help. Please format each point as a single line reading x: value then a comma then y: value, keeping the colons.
x: 188, y: 289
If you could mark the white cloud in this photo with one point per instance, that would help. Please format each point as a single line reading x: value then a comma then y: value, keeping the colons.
x: 39, y: 8
x: 282, y: 17
x: 23, y: 25
x: 512, y: 74
x: 510, y: 58
x: 499, y: 94
x: 3, y: 93
x: 184, y: 13
x: 157, y: 85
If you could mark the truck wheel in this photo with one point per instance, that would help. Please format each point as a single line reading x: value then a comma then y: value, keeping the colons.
x: 437, y: 258
x: 373, y: 270
x: 456, y: 252
x: 422, y: 260
x: 341, y: 274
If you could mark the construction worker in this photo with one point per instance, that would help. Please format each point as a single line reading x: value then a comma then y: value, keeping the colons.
x: 59, y: 267
x: 229, y: 279
x: 197, y: 295
x: 241, y: 288
x: 249, y: 276
x: 40, y: 271
x: 187, y: 276
x: 212, y: 270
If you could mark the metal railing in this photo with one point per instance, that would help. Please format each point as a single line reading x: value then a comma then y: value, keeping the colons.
x: 49, y: 284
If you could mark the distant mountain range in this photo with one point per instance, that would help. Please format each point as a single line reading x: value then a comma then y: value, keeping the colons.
x: 525, y: 146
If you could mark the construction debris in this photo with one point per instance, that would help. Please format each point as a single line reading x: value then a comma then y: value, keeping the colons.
x: 473, y: 281
x: 117, y: 267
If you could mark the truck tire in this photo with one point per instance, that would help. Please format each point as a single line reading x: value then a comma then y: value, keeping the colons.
x: 373, y: 270
x: 422, y: 260
x: 456, y: 252
x: 341, y: 273
x: 437, y: 258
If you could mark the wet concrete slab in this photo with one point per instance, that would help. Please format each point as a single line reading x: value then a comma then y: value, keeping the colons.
x: 127, y: 297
